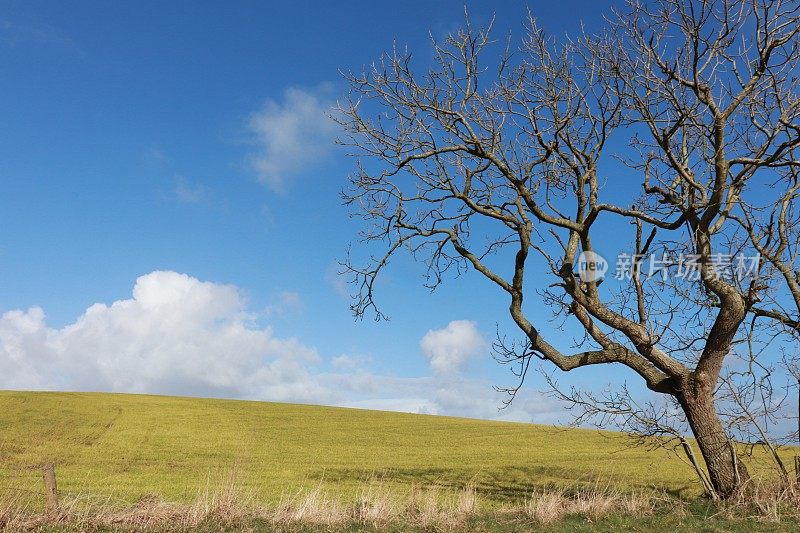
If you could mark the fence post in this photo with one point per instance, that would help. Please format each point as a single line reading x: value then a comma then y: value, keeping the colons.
x: 797, y: 467
x: 50, y: 487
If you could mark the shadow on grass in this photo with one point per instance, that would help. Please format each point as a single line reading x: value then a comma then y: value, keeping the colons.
x: 504, y: 485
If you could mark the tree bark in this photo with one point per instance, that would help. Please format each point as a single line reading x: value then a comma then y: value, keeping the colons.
x: 726, y: 473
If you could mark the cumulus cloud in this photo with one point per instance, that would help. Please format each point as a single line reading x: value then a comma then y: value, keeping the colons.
x: 176, y: 334
x: 450, y: 348
x: 349, y: 362
x: 292, y: 135
x: 179, y: 335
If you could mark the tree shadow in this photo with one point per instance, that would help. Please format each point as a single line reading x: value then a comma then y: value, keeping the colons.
x: 502, y: 484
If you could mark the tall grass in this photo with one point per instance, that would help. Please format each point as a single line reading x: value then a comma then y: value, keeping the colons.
x: 227, y: 505
x: 222, y: 503
x: 547, y: 507
x: 766, y: 499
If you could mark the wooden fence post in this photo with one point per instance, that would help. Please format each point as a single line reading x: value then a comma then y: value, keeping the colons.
x: 50, y: 487
x: 797, y: 467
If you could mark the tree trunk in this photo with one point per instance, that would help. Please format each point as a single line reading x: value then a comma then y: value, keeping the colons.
x: 726, y: 473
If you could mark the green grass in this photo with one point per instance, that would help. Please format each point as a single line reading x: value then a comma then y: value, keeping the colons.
x: 492, y: 524
x: 127, y: 446
x: 692, y: 523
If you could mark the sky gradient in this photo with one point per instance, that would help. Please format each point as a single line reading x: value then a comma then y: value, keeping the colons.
x: 171, y: 220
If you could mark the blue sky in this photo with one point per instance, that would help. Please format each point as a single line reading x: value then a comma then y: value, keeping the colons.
x: 183, y: 145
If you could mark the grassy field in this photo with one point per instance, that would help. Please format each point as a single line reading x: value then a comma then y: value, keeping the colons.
x: 129, y: 446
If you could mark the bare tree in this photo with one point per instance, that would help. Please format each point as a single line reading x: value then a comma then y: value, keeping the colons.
x: 680, y: 125
x: 751, y: 402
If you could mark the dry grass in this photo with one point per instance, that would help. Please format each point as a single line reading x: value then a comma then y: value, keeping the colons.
x: 547, y: 507
x: 377, y: 505
x: 221, y: 503
x: 769, y: 500
x: 312, y: 508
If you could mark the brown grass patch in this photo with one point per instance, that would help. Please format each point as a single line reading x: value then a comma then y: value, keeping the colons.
x: 220, y: 503
x: 547, y: 507
x: 768, y: 500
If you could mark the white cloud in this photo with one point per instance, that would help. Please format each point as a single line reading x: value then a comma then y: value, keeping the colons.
x: 450, y: 348
x: 344, y: 362
x: 420, y: 406
x: 178, y: 335
x: 349, y: 362
x: 22, y: 333
x: 464, y: 397
x: 292, y: 135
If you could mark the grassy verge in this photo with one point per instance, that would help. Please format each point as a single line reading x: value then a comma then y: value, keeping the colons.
x: 595, y: 508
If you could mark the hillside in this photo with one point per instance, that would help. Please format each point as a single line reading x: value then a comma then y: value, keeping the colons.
x: 127, y: 446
